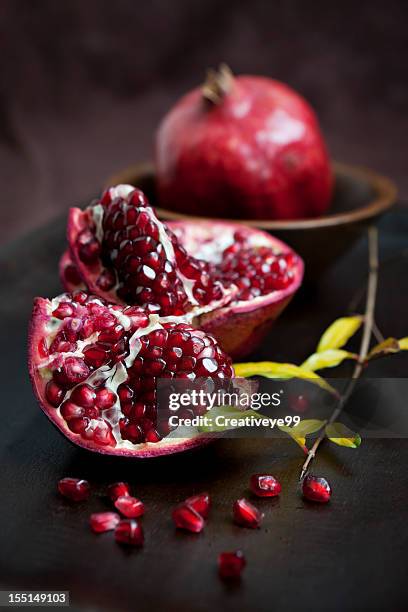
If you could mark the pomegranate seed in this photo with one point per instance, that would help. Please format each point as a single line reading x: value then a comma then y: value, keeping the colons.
x: 185, y: 517
x: 298, y: 403
x: 54, y: 393
x: 316, y: 488
x: 64, y: 309
x: 118, y: 489
x: 129, y: 506
x: 200, y: 503
x: 231, y: 564
x: 104, y: 521
x: 246, y: 514
x: 105, y: 398
x: 75, y: 489
x: 129, y: 532
x: 84, y: 396
x: 264, y: 485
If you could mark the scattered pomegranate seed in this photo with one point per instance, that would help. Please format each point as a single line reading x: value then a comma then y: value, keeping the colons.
x: 246, y: 514
x: 129, y: 506
x: 118, y: 489
x: 298, y: 403
x: 103, y: 521
x: 200, y: 503
x: 185, y: 517
x: 130, y: 532
x: 74, y: 489
x: 316, y: 488
x: 231, y: 564
x: 264, y: 485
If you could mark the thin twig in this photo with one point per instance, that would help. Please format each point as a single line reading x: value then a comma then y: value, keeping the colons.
x: 364, y: 346
x: 377, y: 333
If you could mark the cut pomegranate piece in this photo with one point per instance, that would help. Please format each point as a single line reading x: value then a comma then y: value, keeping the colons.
x: 246, y: 514
x: 102, y: 392
x: 104, y: 521
x: 231, y: 564
x: 200, y: 503
x: 129, y: 532
x: 75, y: 489
x: 118, y: 489
x: 316, y: 488
x: 224, y: 276
x: 264, y: 485
x: 129, y: 506
x: 185, y: 517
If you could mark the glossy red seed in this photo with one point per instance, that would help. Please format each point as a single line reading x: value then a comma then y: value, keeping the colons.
x: 231, y: 564
x: 246, y: 514
x: 316, y: 488
x: 264, y: 485
x: 118, y: 489
x: 298, y: 403
x: 54, y: 393
x: 129, y: 506
x: 129, y: 532
x: 75, y: 489
x: 84, y: 396
x: 185, y: 517
x: 105, y: 398
x: 200, y: 503
x: 103, y: 521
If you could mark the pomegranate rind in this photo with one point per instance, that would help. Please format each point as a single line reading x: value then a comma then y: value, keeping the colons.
x: 167, y: 446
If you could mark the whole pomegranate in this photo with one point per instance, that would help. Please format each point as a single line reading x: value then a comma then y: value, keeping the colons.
x: 243, y: 147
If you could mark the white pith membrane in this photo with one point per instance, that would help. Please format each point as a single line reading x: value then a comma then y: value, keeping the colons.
x: 110, y: 376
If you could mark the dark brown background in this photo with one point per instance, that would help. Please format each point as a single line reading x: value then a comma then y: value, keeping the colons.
x: 83, y: 84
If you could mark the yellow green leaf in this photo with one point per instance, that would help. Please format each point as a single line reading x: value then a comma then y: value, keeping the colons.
x: 272, y: 369
x: 327, y: 359
x: 387, y: 347
x: 342, y: 435
x: 339, y: 332
x: 403, y: 344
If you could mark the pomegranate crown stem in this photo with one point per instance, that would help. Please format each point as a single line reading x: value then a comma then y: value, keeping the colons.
x: 218, y: 84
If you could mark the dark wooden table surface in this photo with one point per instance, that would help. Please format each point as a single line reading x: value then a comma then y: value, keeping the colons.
x: 347, y: 555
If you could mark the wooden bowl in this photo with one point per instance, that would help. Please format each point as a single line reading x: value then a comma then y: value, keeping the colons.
x: 361, y: 196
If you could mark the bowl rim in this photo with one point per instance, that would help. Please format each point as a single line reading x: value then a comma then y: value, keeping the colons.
x: 384, y: 188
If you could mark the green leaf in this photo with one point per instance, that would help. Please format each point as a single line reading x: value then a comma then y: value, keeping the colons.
x: 342, y: 435
x: 339, y: 332
x: 327, y: 359
x: 403, y: 344
x: 229, y: 412
x: 272, y: 369
x: 387, y: 347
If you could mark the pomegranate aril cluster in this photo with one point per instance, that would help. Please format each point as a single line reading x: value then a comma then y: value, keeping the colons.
x: 174, y: 351
x: 145, y: 258
x: 255, y: 270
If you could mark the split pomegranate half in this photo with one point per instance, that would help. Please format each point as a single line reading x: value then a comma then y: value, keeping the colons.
x: 227, y: 279
x: 94, y: 368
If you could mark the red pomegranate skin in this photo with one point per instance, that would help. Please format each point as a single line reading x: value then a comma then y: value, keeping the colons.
x: 257, y: 154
